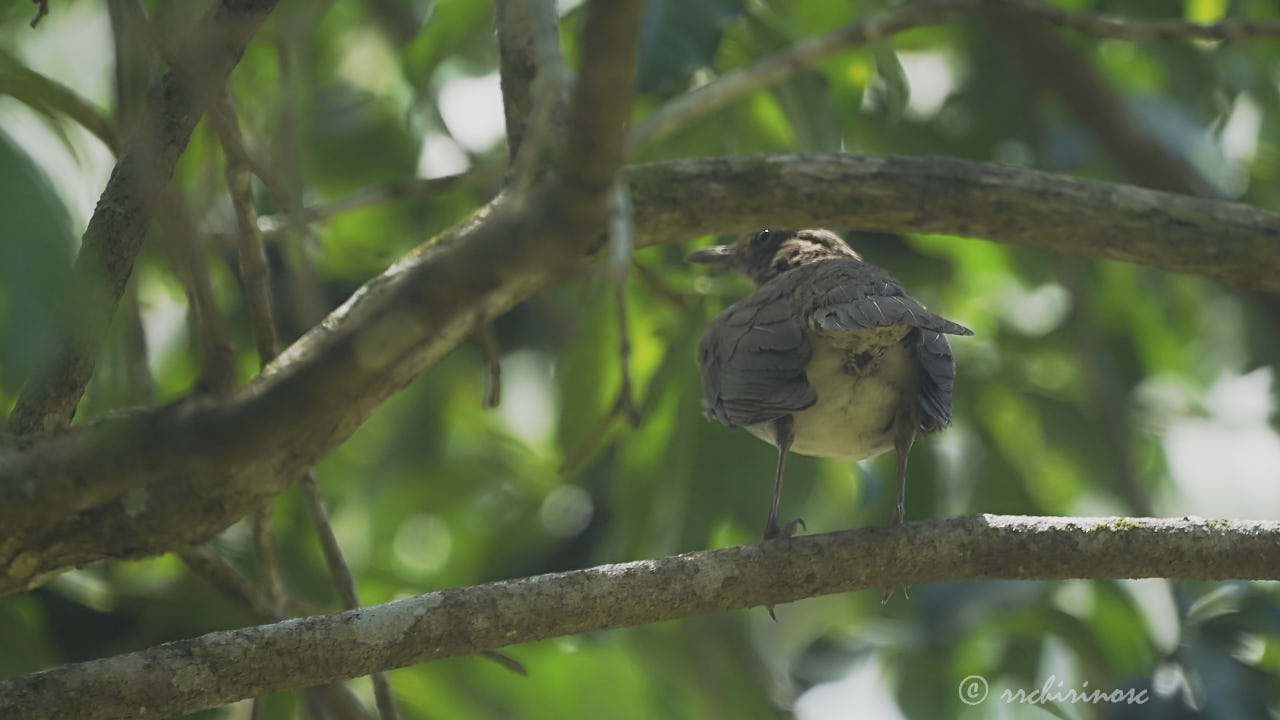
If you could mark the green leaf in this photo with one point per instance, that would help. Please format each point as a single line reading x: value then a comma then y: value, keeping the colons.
x: 677, y: 38
x: 35, y: 263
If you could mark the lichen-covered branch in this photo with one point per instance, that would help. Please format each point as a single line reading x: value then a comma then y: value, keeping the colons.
x: 211, y: 670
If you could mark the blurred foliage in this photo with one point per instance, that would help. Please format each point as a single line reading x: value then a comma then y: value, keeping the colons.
x: 1089, y: 388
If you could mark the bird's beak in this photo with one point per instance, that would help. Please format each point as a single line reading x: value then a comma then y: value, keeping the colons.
x: 716, y: 256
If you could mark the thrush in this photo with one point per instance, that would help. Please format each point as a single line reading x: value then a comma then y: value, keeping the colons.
x: 829, y: 356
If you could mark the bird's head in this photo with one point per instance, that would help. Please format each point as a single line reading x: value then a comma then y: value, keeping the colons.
x: 764, y: 255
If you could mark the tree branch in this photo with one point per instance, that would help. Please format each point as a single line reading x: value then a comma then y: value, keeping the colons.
x: 47, y: 96
x: 214, y: 669
x: 528, y: 46
x: 805, y: 54
x: 114, y: 236
x: 272, y: 226
x: 255, y: 275
x: 62, y: 503
x: 1233, y: 243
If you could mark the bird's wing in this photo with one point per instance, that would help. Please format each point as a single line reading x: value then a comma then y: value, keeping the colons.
x: 937, y: 378
x: 753, y: 358
x: 867, y: 297
x: 845, y: 297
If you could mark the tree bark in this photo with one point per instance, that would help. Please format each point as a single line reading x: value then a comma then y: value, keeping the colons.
x: 221, y: 667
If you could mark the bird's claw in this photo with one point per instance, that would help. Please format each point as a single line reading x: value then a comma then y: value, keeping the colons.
x: 772, y: 530
x: 888, y: 593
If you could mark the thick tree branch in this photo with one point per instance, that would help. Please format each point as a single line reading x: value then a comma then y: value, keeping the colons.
x: 222, y: 667
x: 1233, y: 243
x: 146, y: 483
x: 114, y: 236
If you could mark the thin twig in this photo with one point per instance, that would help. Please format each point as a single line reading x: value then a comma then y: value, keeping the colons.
x: 272, y: 226
x: 179, y: 238
x: 621, y: 241
x: 621, y: 244
x: 141, y: 384
x: 659, y: 287
x: 233, y: 585
x: 42, y: 9
x: 343, y: 581
x: 491, y: 353
x: 254, y: 272
x: 339, y: 572
x: 264, y: 548
x: 593, y: 440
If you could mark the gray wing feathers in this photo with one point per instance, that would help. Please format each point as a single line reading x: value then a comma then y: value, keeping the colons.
x: 753, y: 358
x: 937, y: 378
x: 843, y: 312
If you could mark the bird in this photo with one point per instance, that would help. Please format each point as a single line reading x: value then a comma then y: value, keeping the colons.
x: 828, y: 357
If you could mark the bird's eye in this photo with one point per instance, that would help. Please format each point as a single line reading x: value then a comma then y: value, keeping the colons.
x: 762, y: 236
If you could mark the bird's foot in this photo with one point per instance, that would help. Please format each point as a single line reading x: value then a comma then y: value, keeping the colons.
x: 771, y: 530
x: 888, y: 593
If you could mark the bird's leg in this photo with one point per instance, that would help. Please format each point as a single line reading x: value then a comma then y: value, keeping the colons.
x: 902, y: 446
x: 902, y: 442
x: 783, y: 431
